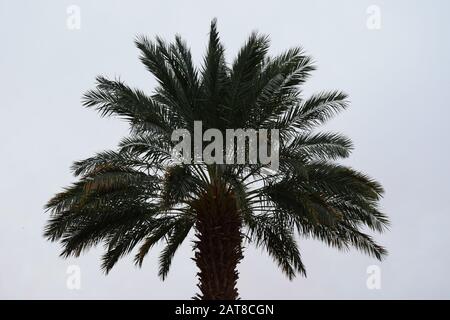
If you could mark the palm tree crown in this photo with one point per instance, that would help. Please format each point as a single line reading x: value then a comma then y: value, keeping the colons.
x: 137, y: 196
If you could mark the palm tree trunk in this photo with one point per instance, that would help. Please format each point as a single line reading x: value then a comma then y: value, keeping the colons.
x: 218, y: 244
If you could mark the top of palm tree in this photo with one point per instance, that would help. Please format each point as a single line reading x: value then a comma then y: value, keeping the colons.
x: 137, y: 196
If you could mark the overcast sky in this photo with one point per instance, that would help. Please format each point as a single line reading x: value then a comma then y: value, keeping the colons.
x: 397, y: 78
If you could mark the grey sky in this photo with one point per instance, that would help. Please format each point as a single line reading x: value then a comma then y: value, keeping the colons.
x: 397, y: 79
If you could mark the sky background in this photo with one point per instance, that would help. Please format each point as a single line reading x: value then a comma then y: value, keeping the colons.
x: 397, y: 78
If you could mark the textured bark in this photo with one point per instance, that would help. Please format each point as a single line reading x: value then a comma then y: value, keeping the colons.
x: 218, y: 244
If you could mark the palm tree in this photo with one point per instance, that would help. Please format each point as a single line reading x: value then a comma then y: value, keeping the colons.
x: 137, y: 196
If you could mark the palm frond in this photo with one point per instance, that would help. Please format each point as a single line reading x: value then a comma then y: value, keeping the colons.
x: 143, y: 112
x: 278, y: 239
x: 314, y: 111
x: 175, y: 239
